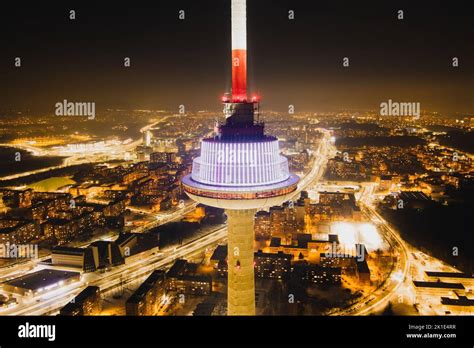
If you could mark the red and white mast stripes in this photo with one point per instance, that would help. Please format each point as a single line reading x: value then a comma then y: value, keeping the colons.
x: 239, y: 50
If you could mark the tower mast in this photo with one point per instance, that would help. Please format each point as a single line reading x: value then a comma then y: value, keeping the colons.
x: 239, y: 50
x: 241, y: 170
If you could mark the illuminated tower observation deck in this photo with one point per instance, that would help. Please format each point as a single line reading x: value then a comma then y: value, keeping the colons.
x: 241, y: 170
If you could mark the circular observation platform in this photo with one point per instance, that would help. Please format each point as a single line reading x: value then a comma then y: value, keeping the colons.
x: 241, y: 197
x: 240, y: 173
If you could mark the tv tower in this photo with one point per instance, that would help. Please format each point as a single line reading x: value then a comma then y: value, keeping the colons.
x: 241, y: 170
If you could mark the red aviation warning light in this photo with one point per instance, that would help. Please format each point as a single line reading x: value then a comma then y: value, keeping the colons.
x: 239, y: 50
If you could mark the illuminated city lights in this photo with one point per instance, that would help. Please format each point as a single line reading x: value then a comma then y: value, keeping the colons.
x: 363, y: 233
x: 325, y: 180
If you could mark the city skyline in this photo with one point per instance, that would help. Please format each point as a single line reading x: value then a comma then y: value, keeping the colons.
x: 293, y: 61
x: 286, y: 161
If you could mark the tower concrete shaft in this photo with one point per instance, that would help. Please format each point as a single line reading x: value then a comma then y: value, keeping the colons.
x: 241, y: 279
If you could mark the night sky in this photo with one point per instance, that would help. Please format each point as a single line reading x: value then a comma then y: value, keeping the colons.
x: 187, y: 61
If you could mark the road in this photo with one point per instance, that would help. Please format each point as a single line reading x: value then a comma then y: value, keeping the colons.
x: 135, y: 266
x: 321, y: 154
x: 139, y: 265
x: 411, y: 265
x: 401, y: 269
x: 160, y: 218
x: 27, y: 265
x: 167, y: 217
x: 75, y: 159
x: 378, y: 299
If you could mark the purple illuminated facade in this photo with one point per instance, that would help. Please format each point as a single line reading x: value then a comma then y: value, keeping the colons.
x: 240, y: 162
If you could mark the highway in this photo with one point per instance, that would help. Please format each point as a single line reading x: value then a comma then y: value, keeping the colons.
x: 28, y: 265
x: 401, y: 269
x: 140, y: 265
x: 322, y: 153
x: 411, y: 266
x: 135, y: 267
x: 167, y: 217
x: 378, y: 299
x: 160, y: 218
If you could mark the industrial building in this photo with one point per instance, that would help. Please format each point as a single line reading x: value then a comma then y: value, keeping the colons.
x: 40, y: 282
x: 84, y: 259
x: 438, y: 288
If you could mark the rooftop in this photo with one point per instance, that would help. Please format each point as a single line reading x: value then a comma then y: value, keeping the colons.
x: 123, y: 238
x: 204, y: 309
x: 178, y: 268
x: 148, y: 284
x: 86, y: 293
x: 220, y: 253
x: 279, y: 255
x: 438, y: 285
x: 42, y: 279
x: 461, y: 301
x: 449, y: 275
x: 68, y: 250
x: 413, y: 196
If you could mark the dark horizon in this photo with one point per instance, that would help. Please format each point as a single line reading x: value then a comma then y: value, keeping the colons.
x: 296, y: 62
